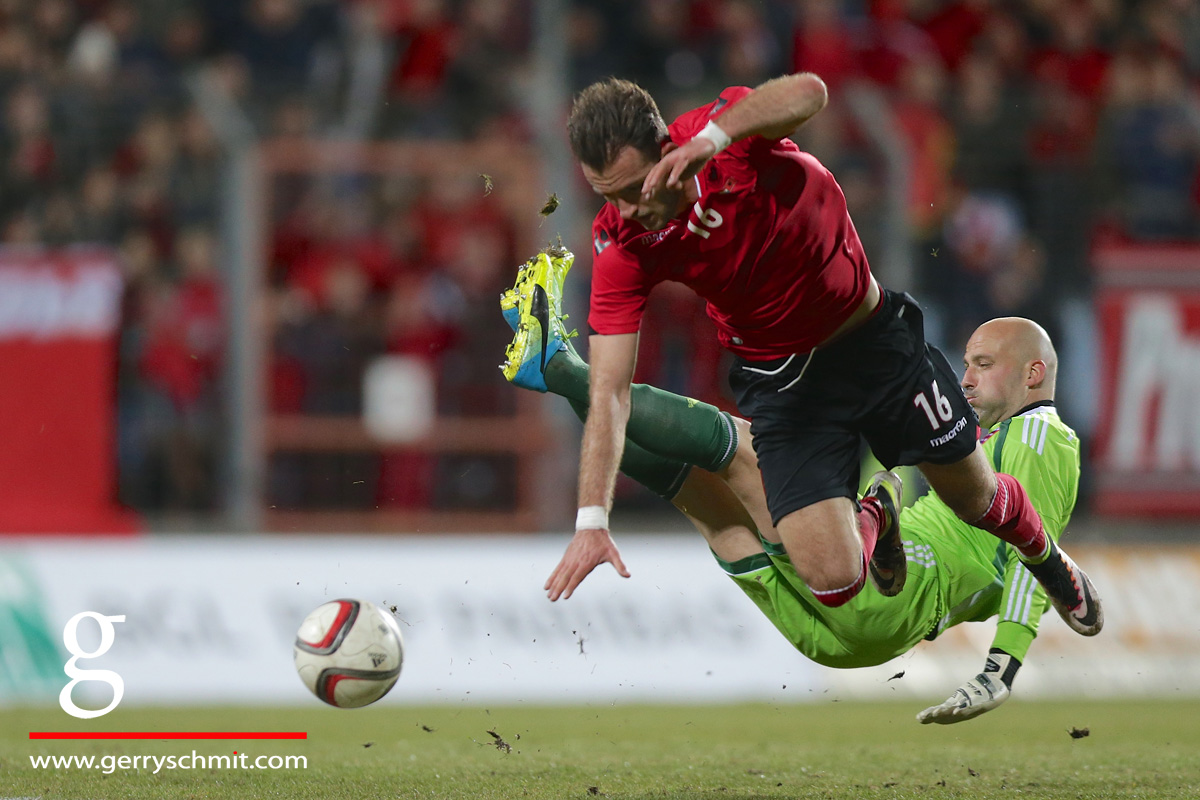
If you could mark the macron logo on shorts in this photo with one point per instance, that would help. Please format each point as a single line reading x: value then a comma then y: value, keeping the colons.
x: 955, y: 431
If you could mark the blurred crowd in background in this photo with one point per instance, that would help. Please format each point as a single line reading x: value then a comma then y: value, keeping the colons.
x: 1034, y: 129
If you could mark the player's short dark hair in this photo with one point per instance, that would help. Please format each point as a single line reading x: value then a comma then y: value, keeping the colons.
x: 609, y: 116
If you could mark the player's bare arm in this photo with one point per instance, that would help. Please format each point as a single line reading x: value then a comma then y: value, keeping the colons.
x: 775, y: 110
x: 613, y: 360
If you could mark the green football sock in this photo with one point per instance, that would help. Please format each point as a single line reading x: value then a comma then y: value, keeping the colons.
x: 663, y: 476
x: 665, y: 424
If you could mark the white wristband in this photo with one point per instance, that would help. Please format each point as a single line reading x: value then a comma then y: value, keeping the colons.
x: 712, y: 131
x: 590, y: 517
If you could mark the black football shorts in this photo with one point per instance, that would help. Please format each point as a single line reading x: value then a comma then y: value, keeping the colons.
x: 882, y: 382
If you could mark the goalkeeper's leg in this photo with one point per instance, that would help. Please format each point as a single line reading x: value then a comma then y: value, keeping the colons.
x: 661, y: 475
x: 671, y: 433
x: 720, y: 517
x: 664, y: 423
x: 704, y: 498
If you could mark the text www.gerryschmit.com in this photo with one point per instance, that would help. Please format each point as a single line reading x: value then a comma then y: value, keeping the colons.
x: 153, y: 764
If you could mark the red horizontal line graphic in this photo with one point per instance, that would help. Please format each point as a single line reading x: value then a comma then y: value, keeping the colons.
x: 169, y: 735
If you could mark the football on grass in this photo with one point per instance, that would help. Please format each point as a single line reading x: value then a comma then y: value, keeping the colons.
x: 349, y: 652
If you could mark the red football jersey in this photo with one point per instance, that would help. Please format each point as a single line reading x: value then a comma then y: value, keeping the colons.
x: 769, y: 245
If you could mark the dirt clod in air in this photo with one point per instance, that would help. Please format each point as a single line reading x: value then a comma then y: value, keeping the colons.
x: 499, y: 742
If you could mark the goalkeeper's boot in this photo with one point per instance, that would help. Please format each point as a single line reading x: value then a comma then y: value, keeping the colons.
x: 539, y: 332
x: 1070, y: 591
x: 510, y: 300
x: 510, y: 306
x: 889, y: 565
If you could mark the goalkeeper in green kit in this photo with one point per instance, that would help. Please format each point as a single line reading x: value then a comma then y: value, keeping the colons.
x: 955, y: 572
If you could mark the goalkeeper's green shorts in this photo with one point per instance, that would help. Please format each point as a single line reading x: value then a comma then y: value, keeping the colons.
x: 870, y: 629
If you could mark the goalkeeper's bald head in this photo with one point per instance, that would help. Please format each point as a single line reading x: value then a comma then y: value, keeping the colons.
x: 1010, y: 363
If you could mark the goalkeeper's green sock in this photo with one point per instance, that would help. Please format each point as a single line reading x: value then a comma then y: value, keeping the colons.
x: 663, y: 476
x: 665, y: 424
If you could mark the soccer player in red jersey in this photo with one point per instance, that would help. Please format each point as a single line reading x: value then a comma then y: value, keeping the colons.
x: 721, y: 201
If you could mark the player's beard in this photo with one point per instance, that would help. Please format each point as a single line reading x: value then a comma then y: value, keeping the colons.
x: 661, y: 216
x: 652, y: 223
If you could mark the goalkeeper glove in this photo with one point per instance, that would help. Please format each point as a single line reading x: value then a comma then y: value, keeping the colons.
x: 982, y: 693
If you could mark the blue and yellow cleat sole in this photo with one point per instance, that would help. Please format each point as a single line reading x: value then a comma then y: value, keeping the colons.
x: 532, y: 308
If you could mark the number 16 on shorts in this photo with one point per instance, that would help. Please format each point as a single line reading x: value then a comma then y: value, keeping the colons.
x: 945, y: 412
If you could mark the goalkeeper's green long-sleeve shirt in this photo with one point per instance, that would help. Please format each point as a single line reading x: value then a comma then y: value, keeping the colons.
x: 956, y: 573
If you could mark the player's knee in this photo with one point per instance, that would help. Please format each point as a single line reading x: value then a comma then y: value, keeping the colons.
x: 835, y: 599
x: 834, y: 584
x: 838, y: 594
x: 825, y: 547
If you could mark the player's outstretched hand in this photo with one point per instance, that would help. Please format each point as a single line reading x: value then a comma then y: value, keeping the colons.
x: 678, y: 165
x: 587, y: 550
x: 982, y: 693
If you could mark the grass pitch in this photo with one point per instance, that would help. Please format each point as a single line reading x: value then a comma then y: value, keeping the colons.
x: 820, y: 750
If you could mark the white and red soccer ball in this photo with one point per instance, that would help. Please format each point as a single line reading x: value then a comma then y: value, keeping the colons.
x: 349, y: 652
